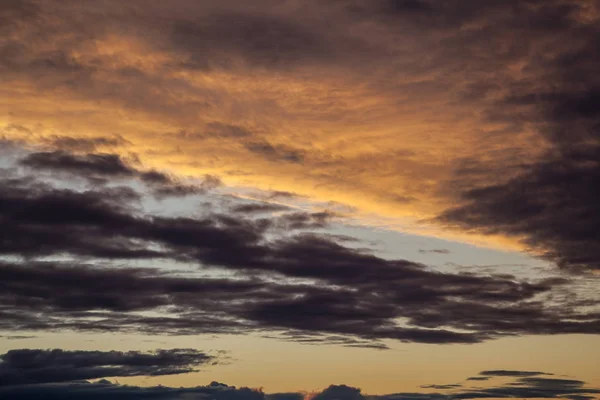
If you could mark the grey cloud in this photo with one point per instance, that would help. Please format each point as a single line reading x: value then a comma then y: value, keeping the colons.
x: 259, y: 39
x: 99, y: 168
x: 226, y: 130
x: 104, y: 389
x: 276, y: 152
x: 67, y: 143
x: 503, y: 372
x: 441, y: 387
x: 355, y: 293
x: 435, y: 251
x: 259, y: 208
x: 33, y: 366
x: 523, y: 387
x: 550, y: 202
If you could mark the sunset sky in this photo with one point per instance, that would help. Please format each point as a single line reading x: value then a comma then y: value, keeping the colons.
x: 299, y: 199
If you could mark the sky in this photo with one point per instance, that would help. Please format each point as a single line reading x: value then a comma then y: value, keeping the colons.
x: 299, y: 199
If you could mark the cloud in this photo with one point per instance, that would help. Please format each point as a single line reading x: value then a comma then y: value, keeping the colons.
x: 555, y: 222
x: 435, y: 251
x: 217, y: 391
x: 88, y: 165
x: 226, y: 130
x: 339, y: 392
x: 18, y: 337
x: 105, y: 389
x: 501, y: 372
x: 441, y: 387
x: 325, y: 291
x: 259, y: 208
x: 34, y: 366
x: 527, y: 387
x: 71, y: 144
x: 373, y: 87
x: 258, y: 38
x: 277, y: 152
x: 549, y: 202
x: 101, y: 167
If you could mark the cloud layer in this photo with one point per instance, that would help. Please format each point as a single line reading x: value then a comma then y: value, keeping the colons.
x: 480, y: 117
x: 527, y: 387
x: 33, y: 366
x: 66, y: 252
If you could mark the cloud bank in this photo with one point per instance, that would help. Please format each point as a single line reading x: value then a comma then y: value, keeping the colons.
x: 66, y: 252
x: 522, y: 387
x: 479, y: 117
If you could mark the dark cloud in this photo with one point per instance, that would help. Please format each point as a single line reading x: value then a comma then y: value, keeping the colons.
x: 259, y: 208
x: 72, y: 144
x: 349, y: 296
x: 502, y: 372
x: 278, y: 152
x: 285, y: 396
x: 83, y: 390
x: 217, y: 129
x: 521, y: 388
x: 258, y: 38
x: 478, y: 378
x: 550, y: 383
x: 279, y: 194
x: 408, y: 6
x: 551, y: 202
x: 339, y: 340
x: 87, y: 165
x: 435, y: 251
x: 554, y: 205
x: 101, y: 167
x: 334, y: 392
x: 14, y: 11
x: 105, y: 390
x: 303, y: 220
x: 441, y: 387
x: 536, y: 388
x: 32, y: 366
x: 18, y: 337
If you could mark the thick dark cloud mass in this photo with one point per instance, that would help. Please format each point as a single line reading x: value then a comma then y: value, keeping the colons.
x: 28, y: 366
x: 89, y: 165
x: 562, y: 389
x: 353, y: 297
x: 552, y: 204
